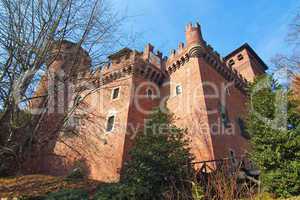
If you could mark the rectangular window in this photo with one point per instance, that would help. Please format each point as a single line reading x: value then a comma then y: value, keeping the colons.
x: 178, y: 89
x: 149, y: 93
x: 115, y: 93
x: 231, y: 62
x: 110, y: 123
x: 240, y: 57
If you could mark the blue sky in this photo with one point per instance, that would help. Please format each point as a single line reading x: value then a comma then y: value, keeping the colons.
x: 226, y: 24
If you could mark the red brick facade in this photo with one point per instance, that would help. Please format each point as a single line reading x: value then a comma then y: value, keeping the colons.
x: 205, y: 92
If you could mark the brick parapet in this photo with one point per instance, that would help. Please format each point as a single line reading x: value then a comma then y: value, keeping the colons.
x: 180, y: 57
x: 138, y: 67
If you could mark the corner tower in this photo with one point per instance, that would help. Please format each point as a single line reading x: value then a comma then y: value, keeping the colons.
x: 186, y: 97
x: 245, y: 60
x: 208, y: 98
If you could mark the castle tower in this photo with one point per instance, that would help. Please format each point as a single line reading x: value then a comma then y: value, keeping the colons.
x: 67, y: 63
x: 208, y: 97
x: 65, y: 67
x: 186, y: 99
x: 193, y: 35
x: 246, y: 62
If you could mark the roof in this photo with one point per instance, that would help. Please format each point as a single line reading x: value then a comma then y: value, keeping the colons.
x: 120, y: 53
x: 252, y: 52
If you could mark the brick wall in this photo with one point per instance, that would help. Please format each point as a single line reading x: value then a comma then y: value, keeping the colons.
x: 203, y: 77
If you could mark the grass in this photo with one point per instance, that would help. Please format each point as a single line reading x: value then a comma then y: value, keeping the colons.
x: 267, y: 196
x: 41, y: 185
x: 31, y: 186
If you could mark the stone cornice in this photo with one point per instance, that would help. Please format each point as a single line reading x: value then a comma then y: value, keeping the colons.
x: 139, y: 68
x: 178, y: 63
x: 213, y: 59
x: 148, y: 71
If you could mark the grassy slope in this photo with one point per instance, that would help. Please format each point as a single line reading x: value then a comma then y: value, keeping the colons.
x: 40, y: 185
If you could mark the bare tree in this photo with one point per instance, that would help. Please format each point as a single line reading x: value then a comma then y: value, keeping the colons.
x: 32, y: 34
x: 287, y: 67
x: 290, y: 63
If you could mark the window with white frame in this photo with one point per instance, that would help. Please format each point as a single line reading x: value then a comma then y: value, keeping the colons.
x: 110, y: 123
x: 115, y: 93
x: 178, y: 89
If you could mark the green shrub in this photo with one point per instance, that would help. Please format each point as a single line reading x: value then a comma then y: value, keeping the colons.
x: 197, y: 191
x: 68, y: 195
x: 160, y: 160
x: 115, y: 192
x: 275, y: 149
x: 159, y: 166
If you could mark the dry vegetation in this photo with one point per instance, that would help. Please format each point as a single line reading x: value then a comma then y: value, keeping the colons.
x: 40, y: 185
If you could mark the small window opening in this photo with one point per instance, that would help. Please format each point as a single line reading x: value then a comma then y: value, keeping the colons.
x: 224, y: 115
x: 231, y: 62
x: 240, y: 57
x: 149, y: 93
x: 178, y: 89
x: 115, y: 93
x: 110, y: 123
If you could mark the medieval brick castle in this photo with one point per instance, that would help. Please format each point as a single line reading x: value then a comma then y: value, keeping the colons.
x: 204, y: 91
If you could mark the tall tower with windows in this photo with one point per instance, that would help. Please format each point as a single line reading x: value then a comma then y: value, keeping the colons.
x: 207, y: 94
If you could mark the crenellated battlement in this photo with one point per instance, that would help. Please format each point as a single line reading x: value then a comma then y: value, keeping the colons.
x: 195, y: 46
x: 191, y: 27
x: 137, y: 66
